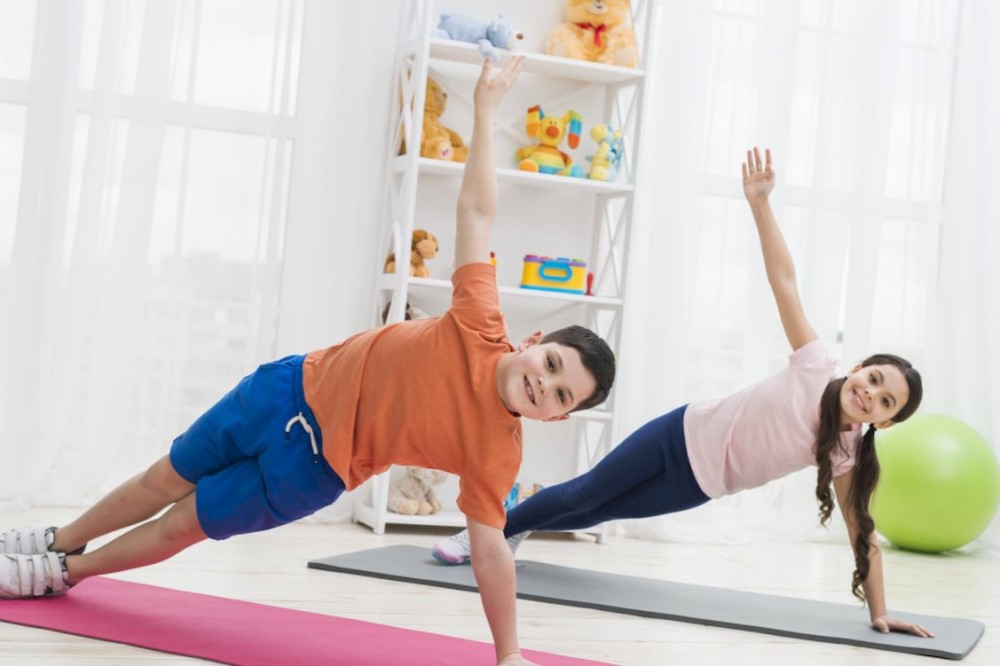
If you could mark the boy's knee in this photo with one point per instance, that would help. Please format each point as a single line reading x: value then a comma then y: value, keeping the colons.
x: 163, y: 479
x: 180, y: 524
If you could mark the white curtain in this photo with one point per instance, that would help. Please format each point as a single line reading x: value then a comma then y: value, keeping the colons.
x: 967, y: 360
x: 855, y: 98
x: 177, y: 180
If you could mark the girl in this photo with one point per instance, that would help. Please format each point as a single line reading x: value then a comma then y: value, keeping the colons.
x: 708, y: 449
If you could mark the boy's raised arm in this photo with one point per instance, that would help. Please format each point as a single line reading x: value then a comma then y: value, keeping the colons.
x: 477, y: 200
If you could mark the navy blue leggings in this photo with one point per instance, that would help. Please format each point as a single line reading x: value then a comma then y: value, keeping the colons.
x: 648, y: 474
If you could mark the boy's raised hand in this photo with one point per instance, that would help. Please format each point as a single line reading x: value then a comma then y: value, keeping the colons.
x: 758, y: 179
x: 489, y: 91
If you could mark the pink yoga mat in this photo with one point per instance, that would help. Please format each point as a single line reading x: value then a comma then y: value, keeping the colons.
x: 239, y: 632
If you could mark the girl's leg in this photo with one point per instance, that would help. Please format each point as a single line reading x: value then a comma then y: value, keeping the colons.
x: 138, y: 499
x: 149, y: 543
x: 630, y: 482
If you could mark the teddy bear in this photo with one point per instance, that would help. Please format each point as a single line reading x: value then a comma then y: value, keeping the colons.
x: 595, y: 30
x: 423, y: 246
x: 413, y: 494
x: 498, y: 33
x: 437, y: 141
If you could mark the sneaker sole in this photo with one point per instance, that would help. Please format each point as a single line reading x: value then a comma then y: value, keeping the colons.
x: 444, y: 558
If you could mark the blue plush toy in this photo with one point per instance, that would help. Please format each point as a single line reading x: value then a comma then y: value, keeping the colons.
x: 489, y: 36
x: 607, y: 161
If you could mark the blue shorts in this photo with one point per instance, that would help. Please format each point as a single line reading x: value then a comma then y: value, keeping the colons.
x: 250, y: 473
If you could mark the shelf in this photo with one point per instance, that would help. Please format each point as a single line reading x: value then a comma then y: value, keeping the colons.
x: 434, y: 296
x: 540, y: 63
x: 431, y: 167
x: 444, y: 518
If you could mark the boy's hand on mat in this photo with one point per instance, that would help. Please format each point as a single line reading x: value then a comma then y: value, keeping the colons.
x: 885, y: 624
x: 489, y: 91
x: 515, y: 660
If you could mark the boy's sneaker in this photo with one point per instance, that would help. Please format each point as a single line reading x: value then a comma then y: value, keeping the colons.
x: 456, y: 549
x: 26, y: 576
x: 30, y: 541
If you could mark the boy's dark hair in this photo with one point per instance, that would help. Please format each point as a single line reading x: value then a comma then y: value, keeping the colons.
x: 597, y: 358
x: 866, y: 467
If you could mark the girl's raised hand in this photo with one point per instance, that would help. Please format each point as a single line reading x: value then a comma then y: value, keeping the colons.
x: 758, y: 179
x: 489, y: 91
x: 885, y: 624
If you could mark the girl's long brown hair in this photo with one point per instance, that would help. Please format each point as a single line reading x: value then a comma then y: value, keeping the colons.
x: 866, y: 467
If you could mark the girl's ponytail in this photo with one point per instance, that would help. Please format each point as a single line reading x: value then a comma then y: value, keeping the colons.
x: 866, y: 468
x: 866, y: 472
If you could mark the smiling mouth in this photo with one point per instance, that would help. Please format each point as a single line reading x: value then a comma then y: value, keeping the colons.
x: 528, y: 390
x: 858, y: 401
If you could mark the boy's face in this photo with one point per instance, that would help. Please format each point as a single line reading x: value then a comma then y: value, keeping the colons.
x: 543, y: 381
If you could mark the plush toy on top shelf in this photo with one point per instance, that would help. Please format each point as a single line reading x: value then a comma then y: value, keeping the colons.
x: 498, y: 33
x: 423, y: 246
x: 606, y: 163
x: 437, y: 141
x: 545, y: 156
x: 413, y: 494
x: 595, y: 30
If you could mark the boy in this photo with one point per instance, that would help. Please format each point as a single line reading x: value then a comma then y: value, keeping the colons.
x: 292, y: 436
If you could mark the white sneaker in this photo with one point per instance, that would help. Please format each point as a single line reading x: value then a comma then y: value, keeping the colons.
x: 27, y: 540
x: 26, y: 576
x: 30, y: 541
x: 457, y: 550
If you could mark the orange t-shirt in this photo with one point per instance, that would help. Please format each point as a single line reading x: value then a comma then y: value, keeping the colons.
x: 424, y: 393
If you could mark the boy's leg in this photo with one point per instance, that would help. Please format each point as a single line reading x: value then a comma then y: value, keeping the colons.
x: 138, y: 499
x: 149, y: 543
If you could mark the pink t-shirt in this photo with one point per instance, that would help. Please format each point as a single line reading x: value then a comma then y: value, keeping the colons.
x: 765, y: 431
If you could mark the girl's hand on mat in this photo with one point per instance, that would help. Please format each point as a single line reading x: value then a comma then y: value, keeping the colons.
x: 515, y: 660
x: 885, y: 624
x: 489, y: 91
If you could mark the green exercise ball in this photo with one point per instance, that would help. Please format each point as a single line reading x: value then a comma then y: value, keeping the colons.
x: 940, y: 484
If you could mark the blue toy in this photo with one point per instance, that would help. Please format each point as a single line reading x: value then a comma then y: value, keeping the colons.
x: 489, y: 36
x: 607, y: 162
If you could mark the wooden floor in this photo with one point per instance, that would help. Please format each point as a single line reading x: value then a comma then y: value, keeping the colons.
x: 270, y: 568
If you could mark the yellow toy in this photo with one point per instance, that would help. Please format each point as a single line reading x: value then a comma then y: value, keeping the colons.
x: 595, y: 30
x: 559, y: 274
x: 606, y: 162
x: 437, y: 141
x: 545, y: 156
x: 423, y: 246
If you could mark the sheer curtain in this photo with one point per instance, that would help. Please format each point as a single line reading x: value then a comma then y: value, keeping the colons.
x: 172, y: 176
x: 967, y: 361
x: 854, y: 98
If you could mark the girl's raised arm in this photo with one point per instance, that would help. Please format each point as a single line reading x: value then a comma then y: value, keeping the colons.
x: 758, y: 181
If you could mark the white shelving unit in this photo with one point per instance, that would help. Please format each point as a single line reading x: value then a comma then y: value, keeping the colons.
x: 538, y: 214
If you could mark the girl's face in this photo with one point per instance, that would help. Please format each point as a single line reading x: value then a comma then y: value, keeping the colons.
x: 873, y: 394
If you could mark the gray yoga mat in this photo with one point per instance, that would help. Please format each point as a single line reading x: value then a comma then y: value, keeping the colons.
x: 764, y: 613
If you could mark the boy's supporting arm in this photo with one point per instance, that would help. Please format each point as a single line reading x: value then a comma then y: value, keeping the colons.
x: 477, y: 200
x: 758, y: 181
x: 874, y: 584
x: 493, y: 565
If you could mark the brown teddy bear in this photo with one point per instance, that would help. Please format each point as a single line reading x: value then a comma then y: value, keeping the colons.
x: 423, y: 246
x: 413, y: 494
x: 439, y: 142
x: 595, y: 30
